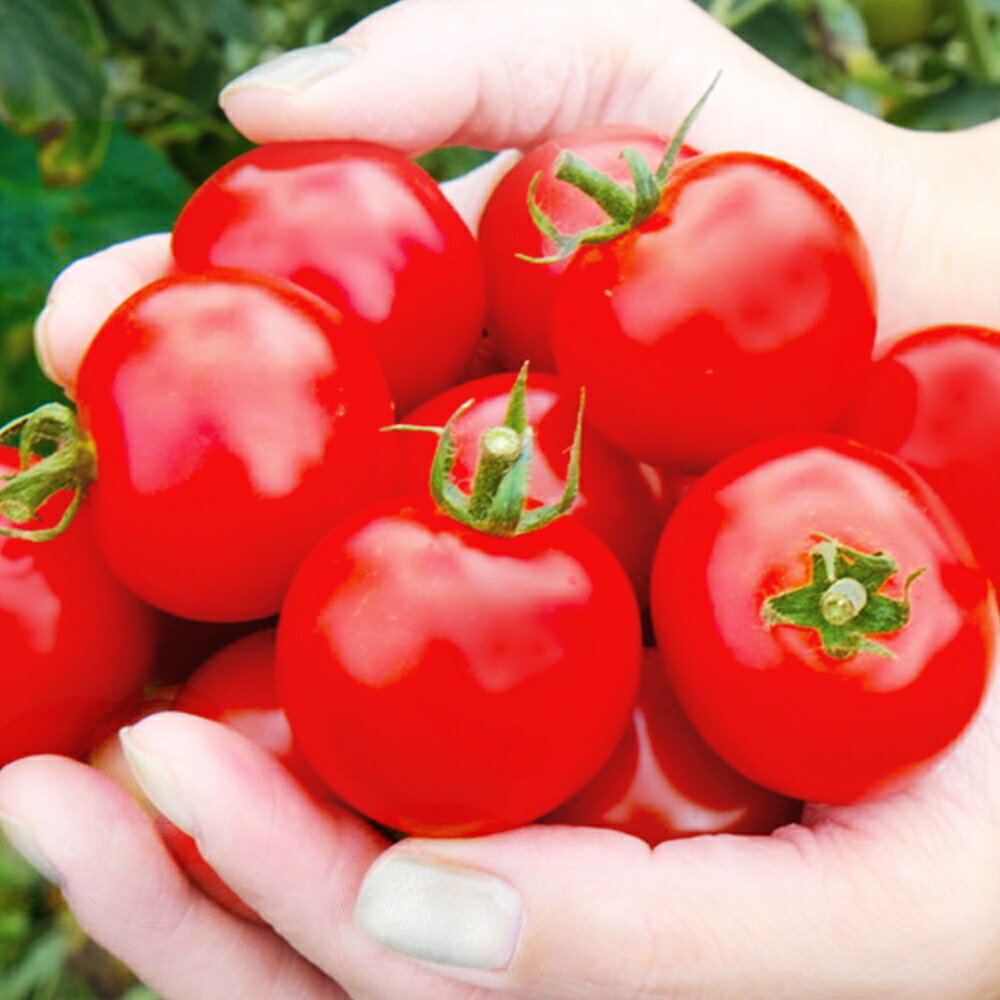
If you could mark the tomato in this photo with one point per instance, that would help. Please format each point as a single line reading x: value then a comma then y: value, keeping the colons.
x: 663, y: 782
x: 77, y: 645
x: 444, y: 681
x: 615, y: 501
x: 235, y: 418
x: 520, y: 292
x: 364, y: 228
x: 741, y: 309
x: 933, y: 400
x: 822, y: 619
x: 891, y: 23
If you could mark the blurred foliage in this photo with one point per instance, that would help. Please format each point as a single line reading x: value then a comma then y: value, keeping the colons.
x: 109, y: 118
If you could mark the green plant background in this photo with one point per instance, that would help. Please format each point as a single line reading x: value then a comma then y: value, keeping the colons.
x: 108, y: 119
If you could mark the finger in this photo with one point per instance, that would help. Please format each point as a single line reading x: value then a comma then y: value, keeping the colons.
x: 86, y: 293
x: 470, y: 192
x: 296, y: 863
x: 895, y: 898
x: 426, y: 73
x: 90, y: 837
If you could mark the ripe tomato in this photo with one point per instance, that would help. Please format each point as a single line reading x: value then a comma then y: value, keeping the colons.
x: 443, y: 681
x: 77, y: 645
x: 235, y: 418
x: 519, y: 292
x: 664, y: 782
x: 616, y: 501
x: 364, y: 228
x: 741, y: 309
x: 933, y: 400
x: 822, y: 619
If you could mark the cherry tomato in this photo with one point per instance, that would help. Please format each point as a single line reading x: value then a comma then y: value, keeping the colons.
x: 616, y: 501
x: 364, y: 228
x: 822, y: 619
x: 741, y: 309
x: 77, y: 645
x: 933, y: 400
x: 520, y: 293
x: 235, y: 418
x: 444, y: 681
x: 663, y: 782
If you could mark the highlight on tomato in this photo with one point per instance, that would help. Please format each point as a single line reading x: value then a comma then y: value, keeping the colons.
x: 455, y: 664
x: 363, y: 227
x: 823, y: 621
x: 663, y: 782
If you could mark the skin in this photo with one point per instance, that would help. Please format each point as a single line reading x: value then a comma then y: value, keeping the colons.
x: 892, y: 898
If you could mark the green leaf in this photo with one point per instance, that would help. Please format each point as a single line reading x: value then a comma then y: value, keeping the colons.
x: 961, y: 106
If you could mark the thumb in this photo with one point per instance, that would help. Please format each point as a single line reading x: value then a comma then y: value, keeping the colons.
x: 555, y: 913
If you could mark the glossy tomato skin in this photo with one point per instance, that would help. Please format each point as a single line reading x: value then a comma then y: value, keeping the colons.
x: 770, y: 699
x: 616, y: 500
x: 742, y: 309
x: 364, y: 228
x: 445, y: 682
x: 77, y: 645
x: 235, y: 418
x: 520, y: 293
x: 933, y: 400
x: 663, y: 782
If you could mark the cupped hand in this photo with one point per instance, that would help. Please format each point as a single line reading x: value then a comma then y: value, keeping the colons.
x: 897, y: 897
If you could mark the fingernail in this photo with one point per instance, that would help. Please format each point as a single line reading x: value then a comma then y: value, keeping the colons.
x: 157, y: 781
x: 440, y: 912
x: 22, y: 838
x: 42, y: 344
x: 295, y: 70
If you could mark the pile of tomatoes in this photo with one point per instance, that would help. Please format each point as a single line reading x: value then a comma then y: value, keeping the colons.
x: 335, y: 475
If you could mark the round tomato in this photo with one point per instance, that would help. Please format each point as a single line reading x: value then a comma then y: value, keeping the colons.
x: 364, y: 228
x: 77, y: 645
x: 664, y: 782
x: 616, y: 500
x: 933, y: 400
x: 822, y: 619
x: 444, y: 681
x: 235, y: 418
x: 741, y: 309
x: 520, y: 292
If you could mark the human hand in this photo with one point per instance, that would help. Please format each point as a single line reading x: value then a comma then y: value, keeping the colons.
x: 896, y: 897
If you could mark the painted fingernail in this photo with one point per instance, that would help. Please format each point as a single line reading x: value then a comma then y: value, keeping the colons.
x: 295, y: 70
x: 440, y: 912
x: 157, y: 781
x: 22, y: 838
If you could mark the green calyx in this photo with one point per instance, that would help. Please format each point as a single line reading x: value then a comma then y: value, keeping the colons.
x: 497, y: 502
x: 54, y: 454
x: 842, y: 602
x: 627, y: 207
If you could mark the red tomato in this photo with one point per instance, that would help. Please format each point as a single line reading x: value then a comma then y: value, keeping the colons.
x: 822, y: 619
x: 364, y: 228
x: 77, y: 645
x: 742, y: 309
x: 443, y: 681
x: 934, y: 401
x: 616, y: 501
x: 664, y: 782
x: 520, y: 293
x: 235, y: 418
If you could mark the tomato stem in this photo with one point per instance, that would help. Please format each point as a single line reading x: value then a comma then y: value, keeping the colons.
x: 497, y: 502
x: 842, y: 600
x: 54, y: 455
x: 626, y: 207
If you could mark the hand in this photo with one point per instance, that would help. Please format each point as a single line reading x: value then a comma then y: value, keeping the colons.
x: 893, y: 898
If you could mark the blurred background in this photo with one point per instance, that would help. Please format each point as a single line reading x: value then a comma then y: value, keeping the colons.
x: 108, y: 120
